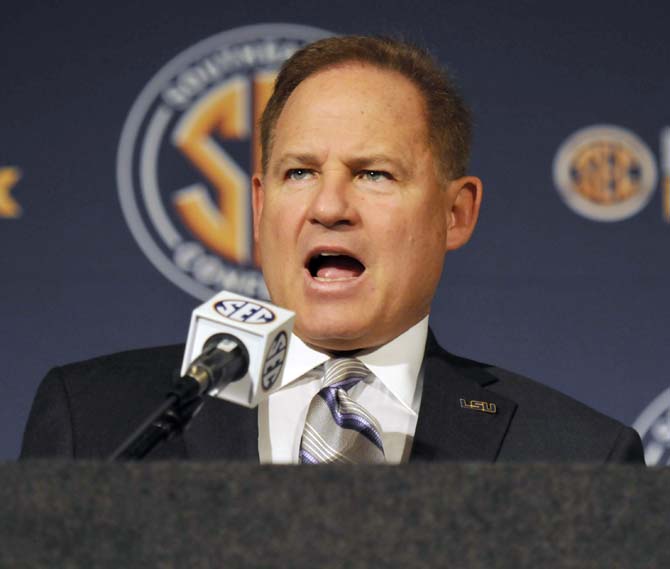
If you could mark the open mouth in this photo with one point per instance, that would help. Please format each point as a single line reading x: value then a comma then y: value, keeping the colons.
x: 327, y: 266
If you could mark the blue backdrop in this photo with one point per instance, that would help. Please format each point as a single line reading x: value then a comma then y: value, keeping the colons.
x: 543, y: 288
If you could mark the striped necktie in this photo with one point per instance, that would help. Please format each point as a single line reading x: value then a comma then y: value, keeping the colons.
x: 338, y: 429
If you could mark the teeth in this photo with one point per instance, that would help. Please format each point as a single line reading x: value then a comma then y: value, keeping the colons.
x: 328, y: 254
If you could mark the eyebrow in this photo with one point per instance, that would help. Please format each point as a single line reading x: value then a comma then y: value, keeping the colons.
x: 303, y: 158
x: 374, y: 161
x: 371, y: 162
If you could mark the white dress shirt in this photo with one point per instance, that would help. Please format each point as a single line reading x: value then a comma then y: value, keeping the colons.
x: 392, y: 395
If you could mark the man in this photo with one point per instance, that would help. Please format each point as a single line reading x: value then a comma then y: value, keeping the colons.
x: 363, y: 191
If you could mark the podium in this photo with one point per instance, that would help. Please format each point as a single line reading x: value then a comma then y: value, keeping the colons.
x: 179, y: 514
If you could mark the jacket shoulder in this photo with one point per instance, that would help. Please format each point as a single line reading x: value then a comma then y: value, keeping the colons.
x: 122, y: 377
x: 547, y: 425
x: 85, y: 409
x: 130, y: 361
x: 555, y: 427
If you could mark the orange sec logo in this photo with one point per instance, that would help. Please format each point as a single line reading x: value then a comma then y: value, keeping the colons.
x: 187, y: 151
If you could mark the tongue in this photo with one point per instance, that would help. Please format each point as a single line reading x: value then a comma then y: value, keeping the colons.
x: 339, y: 267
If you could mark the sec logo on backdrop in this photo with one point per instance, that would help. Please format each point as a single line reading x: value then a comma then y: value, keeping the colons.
x: 605, y: 173
x: 186, y: 153
x: 9, y: 177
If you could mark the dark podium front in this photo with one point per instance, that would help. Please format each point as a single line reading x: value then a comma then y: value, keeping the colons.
x: 60, y: 514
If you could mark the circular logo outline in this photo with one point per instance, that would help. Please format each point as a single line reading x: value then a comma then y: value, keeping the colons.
x: 651, y: 413
x: 129, y: 141
x: 587, y: 208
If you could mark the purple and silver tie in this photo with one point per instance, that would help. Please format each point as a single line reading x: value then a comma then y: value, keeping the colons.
x: 338, y: 429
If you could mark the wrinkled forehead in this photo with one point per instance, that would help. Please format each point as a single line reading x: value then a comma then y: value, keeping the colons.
x: 356, y: 103
x: 376, y: 85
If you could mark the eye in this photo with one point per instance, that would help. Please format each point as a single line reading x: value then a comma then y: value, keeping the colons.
x: 298, y: 174
x: 375, y: 175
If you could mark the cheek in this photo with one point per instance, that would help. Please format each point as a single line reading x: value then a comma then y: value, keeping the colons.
x: 279, y: 233
x: 276, y: 219
x: 415, y: 235
x: 270, y: 237
x: 396, y: 252
x: 433, y: 227
x: 414, y: 247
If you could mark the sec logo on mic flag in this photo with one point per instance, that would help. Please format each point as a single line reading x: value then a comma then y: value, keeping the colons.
x: 274, y: 361
x: 187, y: 150
x: 244, y: 311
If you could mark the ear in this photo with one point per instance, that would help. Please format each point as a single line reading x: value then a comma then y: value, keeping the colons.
x: 257, y: 199
x: 464, y: 198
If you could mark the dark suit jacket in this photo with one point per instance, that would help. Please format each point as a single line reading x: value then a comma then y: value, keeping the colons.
x: 85, y: 410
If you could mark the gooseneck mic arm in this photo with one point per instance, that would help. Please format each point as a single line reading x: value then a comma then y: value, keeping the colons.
x: 224, y: 359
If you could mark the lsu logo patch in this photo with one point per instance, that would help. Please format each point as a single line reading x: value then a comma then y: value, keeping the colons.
x: 605, y: 173
x: 187, y: 151
x: 483, y: 406
x: 653, y: 425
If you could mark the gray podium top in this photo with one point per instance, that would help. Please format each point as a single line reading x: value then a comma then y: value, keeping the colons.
x: 86, y: 514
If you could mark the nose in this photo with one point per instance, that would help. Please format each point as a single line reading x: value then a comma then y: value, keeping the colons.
x: 332, y: 202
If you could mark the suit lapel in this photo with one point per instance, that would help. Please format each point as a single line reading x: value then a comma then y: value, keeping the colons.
x: 445, y: 430
x: 223, y: 431
x: 450, y: 425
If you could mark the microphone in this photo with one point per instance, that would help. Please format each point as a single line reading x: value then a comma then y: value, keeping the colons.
x: 224, y: 359
x: 259, y: 328
x: 236, y: 349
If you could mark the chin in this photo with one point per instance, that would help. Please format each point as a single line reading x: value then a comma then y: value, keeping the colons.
x: 333, y: 336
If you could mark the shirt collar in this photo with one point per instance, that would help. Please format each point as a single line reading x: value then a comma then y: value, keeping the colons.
x: 396, y: 364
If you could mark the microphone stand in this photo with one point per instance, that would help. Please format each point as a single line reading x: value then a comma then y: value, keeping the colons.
x: 170, y: 418
x: 224, y: 359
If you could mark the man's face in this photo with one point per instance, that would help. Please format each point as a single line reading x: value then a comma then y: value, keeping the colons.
x: 351, y: 217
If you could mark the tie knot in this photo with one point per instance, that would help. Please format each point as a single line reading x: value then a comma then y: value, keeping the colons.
x: 337, y: 428
x: 344, y: 373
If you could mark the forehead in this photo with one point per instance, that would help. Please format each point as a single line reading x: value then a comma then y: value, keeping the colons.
x: 361, y: 102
